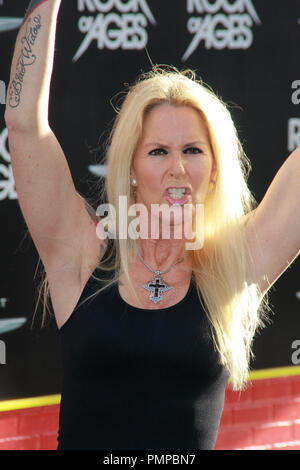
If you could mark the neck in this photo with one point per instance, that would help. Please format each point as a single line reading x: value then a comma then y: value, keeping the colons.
x: 161, y: 254
x: 162, y: 242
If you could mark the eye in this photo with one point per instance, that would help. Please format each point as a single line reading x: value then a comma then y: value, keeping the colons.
x: 193, y: 150
x: 158, y: 151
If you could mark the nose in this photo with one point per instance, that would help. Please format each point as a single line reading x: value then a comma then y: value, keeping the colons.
x: 176, y: 167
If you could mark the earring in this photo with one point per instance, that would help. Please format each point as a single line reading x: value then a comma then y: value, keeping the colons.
x: 134, y: 181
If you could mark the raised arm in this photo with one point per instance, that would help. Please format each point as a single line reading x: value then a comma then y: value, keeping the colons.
x: 273, y: 229
x: 61, y: 228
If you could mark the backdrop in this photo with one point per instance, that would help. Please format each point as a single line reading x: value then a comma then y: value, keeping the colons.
x: 246, y: 50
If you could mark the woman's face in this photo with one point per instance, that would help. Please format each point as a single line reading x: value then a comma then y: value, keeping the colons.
x: 173, y: 162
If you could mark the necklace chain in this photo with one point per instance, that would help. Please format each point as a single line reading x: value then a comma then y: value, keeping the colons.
x: 157, y: 271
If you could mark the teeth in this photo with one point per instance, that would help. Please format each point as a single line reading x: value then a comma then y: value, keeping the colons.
x: 176, y: 193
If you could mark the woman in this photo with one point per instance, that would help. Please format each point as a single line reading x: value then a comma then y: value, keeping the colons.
x: 147, y: 359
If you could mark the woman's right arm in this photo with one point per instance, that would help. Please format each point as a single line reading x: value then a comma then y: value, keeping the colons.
x: 53, y: 210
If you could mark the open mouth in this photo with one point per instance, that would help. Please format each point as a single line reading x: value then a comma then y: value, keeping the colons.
x: 177, y: 195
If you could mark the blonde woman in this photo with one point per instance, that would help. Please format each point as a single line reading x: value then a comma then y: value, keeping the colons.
x: 151, y: 327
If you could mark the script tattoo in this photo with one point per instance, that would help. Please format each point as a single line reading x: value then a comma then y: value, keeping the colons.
x: 26, y: 59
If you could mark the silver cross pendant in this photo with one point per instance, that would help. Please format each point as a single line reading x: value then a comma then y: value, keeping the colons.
x: 156, y: 286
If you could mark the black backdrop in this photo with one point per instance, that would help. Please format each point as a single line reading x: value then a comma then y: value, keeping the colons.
x: 247, y: 51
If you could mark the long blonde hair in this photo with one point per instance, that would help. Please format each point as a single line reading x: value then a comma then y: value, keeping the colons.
x: 223, y: 269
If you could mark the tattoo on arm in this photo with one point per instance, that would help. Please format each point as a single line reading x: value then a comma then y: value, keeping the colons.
x: 25, y: 60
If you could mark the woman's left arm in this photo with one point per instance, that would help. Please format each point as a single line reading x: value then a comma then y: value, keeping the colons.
x: 273, y: 228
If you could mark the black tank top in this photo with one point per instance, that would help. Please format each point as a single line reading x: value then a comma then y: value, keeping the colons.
x: 138, y: 379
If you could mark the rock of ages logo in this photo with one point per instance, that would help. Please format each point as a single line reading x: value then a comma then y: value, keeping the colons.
x: 220, y: 24
x: 114, y: 24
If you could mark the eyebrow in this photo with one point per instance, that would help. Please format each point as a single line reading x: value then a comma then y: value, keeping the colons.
x: 189, y: 144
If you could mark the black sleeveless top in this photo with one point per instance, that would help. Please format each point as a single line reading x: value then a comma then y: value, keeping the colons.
x: 138, y: 379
